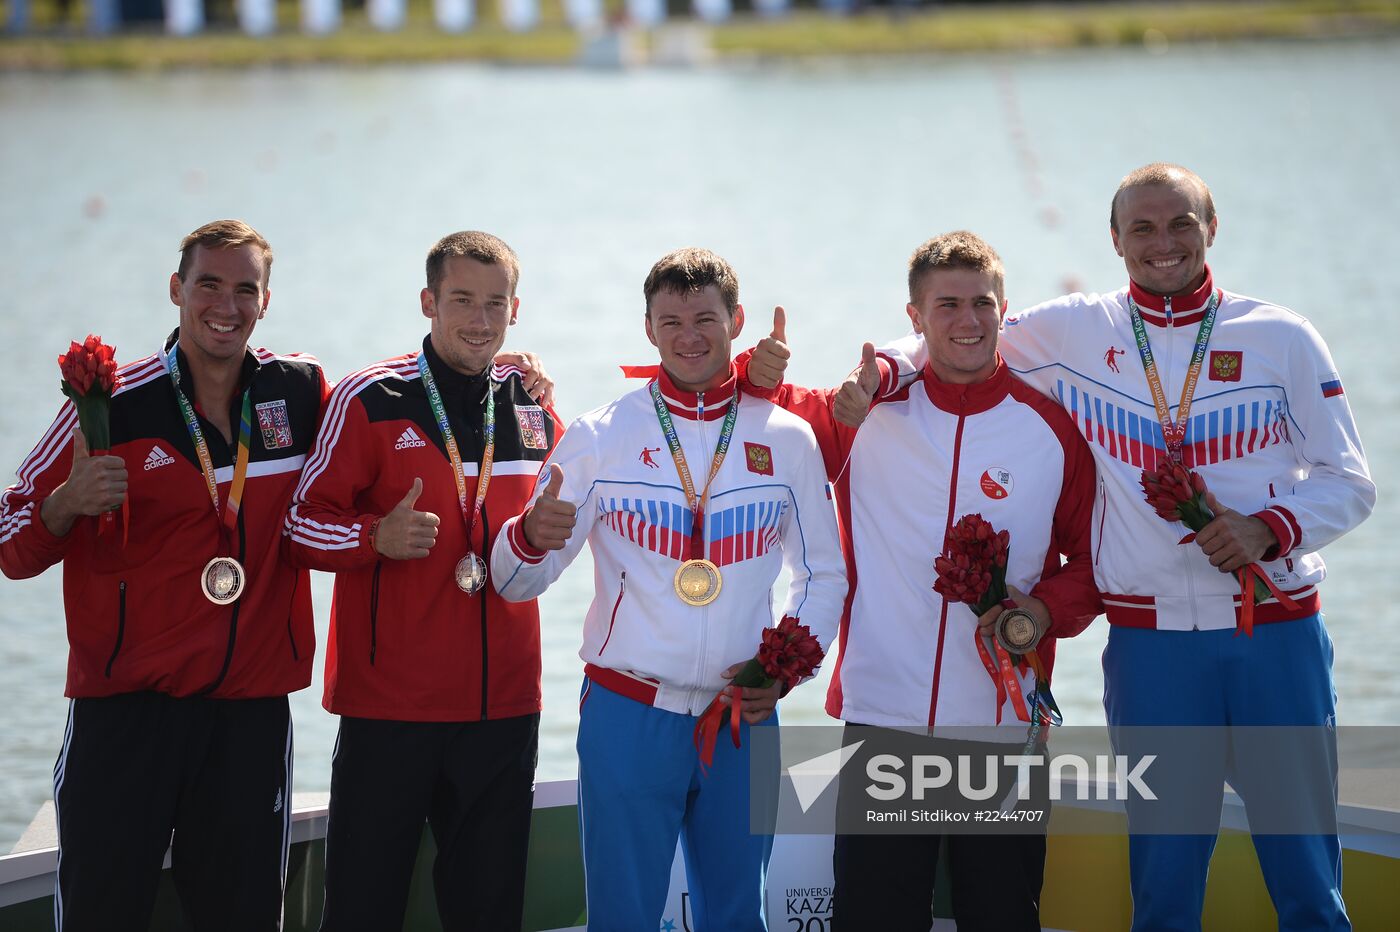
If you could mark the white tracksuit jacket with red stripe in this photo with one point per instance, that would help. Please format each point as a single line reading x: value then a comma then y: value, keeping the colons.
x: 925, y: 456
x: 768, y: 510
x: 1270, y: 432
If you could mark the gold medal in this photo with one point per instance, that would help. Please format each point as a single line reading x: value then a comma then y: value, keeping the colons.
x: 222, y: 580
x: 471, y: 574
x: 698, y: 582
x: 1016, y: 631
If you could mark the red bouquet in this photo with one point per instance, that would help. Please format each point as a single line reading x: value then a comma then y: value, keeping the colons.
x: 788, y: 654
x: 972, y: 570
x: 1179, y: 494
x: 89, y: 378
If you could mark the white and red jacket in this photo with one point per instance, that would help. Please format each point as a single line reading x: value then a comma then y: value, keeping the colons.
x: 768, y: 510
x: 1270, y: 432
x: 927, y: 455
x: 405, y: 643
x: 137, y: 619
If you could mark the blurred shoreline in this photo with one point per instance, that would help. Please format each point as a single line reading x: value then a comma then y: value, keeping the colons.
x: 57, y: 42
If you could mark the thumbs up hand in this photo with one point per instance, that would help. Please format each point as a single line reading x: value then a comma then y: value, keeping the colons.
x: 549, y: 523
x: 857, y: 393
x: 406, y: 534
x: 770, y: 357
x: 95, y: 484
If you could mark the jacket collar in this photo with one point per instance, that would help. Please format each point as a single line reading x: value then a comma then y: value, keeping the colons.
x: 682, y: 403
x: 451, y: 383
x: 1186, y: 309
x: 972, y: 398
x: 251, y: 366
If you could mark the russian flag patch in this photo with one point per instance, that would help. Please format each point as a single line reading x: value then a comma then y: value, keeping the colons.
x: 1332, y: 386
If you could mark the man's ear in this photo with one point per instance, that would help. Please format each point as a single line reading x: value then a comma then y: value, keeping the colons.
x: 651, y: 334
x: 1116, y: 246
x: 426, y: 299
x: 514, y: 309
x: 175, y: 288
x: 913, y: 313
x: 1210, y: 231
x: 267, y: 296
x: 737, y: 323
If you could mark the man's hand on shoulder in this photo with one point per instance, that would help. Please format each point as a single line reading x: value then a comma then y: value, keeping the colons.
x: 536, y: 381
x: 770, y: 357
x: 857, y: 393
x: 406, y: 534
x: 95, y: 484
x: 1231, y: 540
x: 549, y: 523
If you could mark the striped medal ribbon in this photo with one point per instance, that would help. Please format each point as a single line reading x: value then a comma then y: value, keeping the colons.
x: 223, y: 578
x: 698, y: 580
x: 470, y: 571
x: 1173, y: 432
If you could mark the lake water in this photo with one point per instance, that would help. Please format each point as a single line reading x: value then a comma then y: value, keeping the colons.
x: 815, y: 179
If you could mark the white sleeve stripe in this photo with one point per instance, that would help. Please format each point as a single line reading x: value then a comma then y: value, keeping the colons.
x: 316, y: 525
x: 351, y: 536
x: 344, y: 393
x: 24, y: 513
x: 321, y: 545
x: 42, y: 457
x: 14, y: 528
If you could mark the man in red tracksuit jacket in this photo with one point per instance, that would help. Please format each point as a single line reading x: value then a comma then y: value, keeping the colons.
x: 435, y: 677
x: 179, y: 717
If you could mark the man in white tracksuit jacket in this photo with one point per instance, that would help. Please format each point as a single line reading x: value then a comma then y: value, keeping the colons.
x: 652, y: 660
x: 1271, y: 433
x: 965, y: 437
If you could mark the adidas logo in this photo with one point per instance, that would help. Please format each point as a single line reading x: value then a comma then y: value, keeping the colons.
x: 158, y: 458
x: 277, y: 804
x: 409, y: 438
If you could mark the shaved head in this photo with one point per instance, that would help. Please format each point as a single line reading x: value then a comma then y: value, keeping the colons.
x: 1168, y: 175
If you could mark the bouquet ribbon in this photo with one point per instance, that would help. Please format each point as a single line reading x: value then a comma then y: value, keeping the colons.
x: 108, y: 520
x: 712, y: 720
x: 1247, y: 576
x: 1003, y: 673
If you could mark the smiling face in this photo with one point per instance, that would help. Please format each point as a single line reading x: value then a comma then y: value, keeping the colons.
x: 1162, y: 233
x: 693, y: 331
x: 470, y: 309
x: 959, y: 312
x: 221, y: 297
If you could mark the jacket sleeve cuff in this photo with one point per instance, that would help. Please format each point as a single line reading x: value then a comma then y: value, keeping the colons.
x: 1285, y: 529
x: 43, y: 537
x: 889, y: 375
x: 521, y: 547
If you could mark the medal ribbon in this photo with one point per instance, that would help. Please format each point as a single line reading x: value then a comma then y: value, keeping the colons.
x: 229, y: 512
x: 1174, y: 433
x: 697, y: 503
x: 488, y: 455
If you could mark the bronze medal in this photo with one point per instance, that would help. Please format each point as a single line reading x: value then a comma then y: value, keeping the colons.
x: 471, y: 574
x: 1016, y: 631
x: 222, y: 580
x: 698, y: 582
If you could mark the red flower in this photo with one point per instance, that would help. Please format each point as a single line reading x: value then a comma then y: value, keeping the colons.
x: 88, y: 364
x: 788, y: 653
x: 1177, y: 494
x: 972, y: 568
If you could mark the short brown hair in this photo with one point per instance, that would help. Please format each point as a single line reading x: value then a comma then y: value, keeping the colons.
x: 689, y: 270
x: 1163, y: 173
x: 957, y: 250
x: 471, y: 244
x: 224, y: 234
